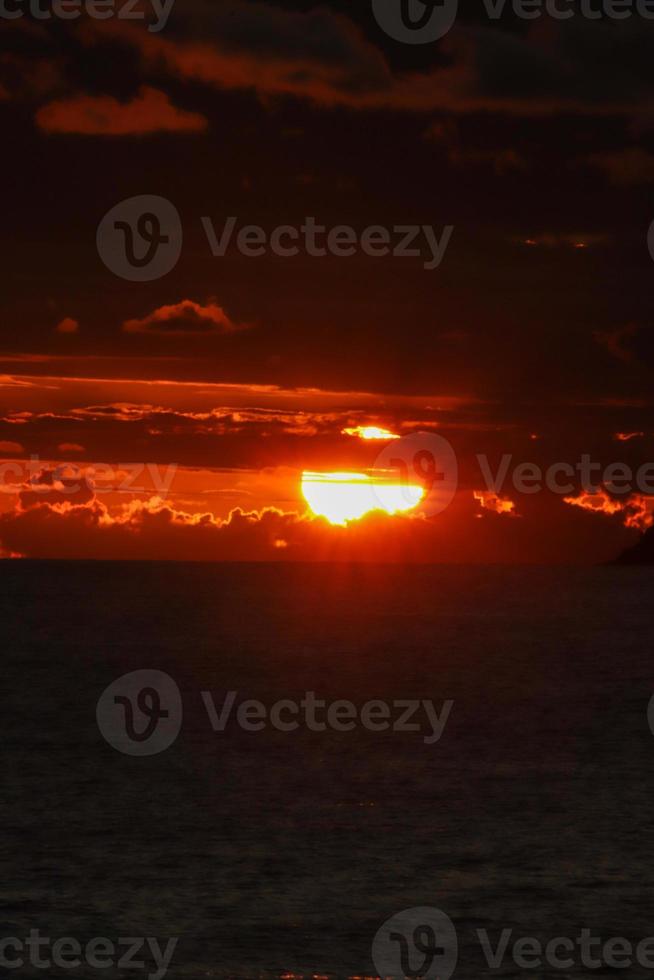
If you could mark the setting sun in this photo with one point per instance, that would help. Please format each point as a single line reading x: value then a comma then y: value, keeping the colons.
x: 343, y: 497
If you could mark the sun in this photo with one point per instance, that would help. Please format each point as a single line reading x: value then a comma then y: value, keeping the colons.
x: 343, y: 497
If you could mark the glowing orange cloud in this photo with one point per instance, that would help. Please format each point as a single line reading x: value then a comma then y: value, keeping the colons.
x: 628, y: 436
x: 636, y: 510
x: 370, y: 432
x: 491, y: 501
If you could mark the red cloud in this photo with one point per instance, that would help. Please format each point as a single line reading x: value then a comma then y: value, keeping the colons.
x: 184, y: 318
x: 636, y: 510
x: 70, y: 447
x: 11, y: 447
x: 491, y: 501
x: 67, y: 325
x: 153, y: 530
x: 89, y: 115
x: 628, y: 436
x: 55, y: 488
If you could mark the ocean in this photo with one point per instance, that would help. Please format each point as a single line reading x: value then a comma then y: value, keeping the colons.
x: 269, y: 853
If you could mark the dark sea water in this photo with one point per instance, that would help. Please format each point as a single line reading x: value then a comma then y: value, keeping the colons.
x: 277, y: 853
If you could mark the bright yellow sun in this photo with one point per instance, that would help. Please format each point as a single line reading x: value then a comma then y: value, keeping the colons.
x: 343, y: 497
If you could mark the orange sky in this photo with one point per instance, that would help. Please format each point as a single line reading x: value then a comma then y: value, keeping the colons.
x: 192, y: 469
x: 230, y: 375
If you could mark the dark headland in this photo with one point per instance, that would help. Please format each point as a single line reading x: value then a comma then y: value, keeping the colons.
x: 641, y: 553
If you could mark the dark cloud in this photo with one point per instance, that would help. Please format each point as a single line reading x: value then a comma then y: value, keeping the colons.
x: 320, y: 55
x: 626, y: 167
x: 619, y: 342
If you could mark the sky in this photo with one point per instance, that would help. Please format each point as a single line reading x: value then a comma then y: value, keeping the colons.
x: 173, y: 415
